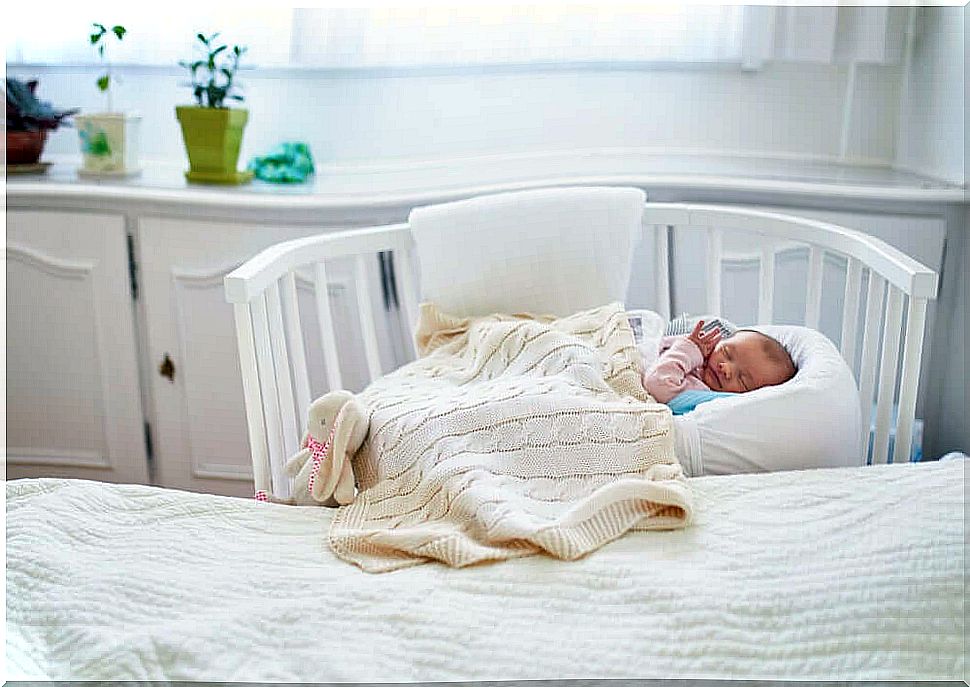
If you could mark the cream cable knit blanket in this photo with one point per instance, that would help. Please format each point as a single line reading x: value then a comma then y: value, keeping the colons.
x: 514, y: 435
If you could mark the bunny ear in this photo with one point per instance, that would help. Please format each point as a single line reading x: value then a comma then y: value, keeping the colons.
x: 296, y: 463
x: 332, y: 466
x: 343, y: 493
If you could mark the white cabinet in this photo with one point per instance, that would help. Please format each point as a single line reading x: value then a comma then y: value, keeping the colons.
x: 92, y: 367
x: 73, y: 401
x: 199, y: 436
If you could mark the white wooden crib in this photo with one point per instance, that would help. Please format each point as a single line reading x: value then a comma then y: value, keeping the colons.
x: 274, y: 361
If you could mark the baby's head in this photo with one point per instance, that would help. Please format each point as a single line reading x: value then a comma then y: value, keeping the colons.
x: 747, y: 361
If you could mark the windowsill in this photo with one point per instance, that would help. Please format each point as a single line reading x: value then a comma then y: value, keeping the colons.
x: 411, y: 182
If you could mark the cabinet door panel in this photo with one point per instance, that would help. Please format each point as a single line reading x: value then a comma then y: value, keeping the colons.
x: 73, y: 400
x: 198, y: 417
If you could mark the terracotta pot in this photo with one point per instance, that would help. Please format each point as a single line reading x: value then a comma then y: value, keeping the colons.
x: 25, y: 147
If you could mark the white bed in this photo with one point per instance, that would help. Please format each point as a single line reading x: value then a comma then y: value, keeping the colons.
x: 836, y: 573
x: 823, y: 574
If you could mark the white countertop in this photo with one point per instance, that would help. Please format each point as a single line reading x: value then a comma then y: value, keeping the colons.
x: 417, y: 182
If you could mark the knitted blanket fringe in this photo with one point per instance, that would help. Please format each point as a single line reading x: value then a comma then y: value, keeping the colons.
x: 513, y: 435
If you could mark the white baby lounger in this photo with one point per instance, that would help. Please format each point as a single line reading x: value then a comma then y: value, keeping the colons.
x: 810, y: 421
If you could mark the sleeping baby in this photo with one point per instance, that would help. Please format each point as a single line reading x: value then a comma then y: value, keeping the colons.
x: 702, y: 361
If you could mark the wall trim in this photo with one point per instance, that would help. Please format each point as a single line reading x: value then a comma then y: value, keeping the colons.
x: 920, y: 170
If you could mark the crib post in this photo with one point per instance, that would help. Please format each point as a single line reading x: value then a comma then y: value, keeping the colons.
x: 813, y: 297
x: 887, y: 375
x: 912, y: 351
x: 662, y: 276
x: 251, y: 396
x: 714, y: 250
x: 325, y: 320
x: 870, y: 344
x: 850, y: 311
x: 270, y: 396
x: 290, y: 427
x: 403, y: 268
x: 366, y: 314
x: 766, y: 284
x: 294, y: 329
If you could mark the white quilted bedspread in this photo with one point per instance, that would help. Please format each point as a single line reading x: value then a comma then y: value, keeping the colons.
x: 817, y: 574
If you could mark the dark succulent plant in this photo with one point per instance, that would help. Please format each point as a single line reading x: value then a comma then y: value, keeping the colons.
x: 25, y: 112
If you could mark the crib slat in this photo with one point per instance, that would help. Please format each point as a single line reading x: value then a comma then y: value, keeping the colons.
x: 252, y: 396
x: 268, y: 389
x: 294, y: 333
x: 813, y: 298
x: 887, y: 375
x: 662, y: 234
x: 371, y: 352
x: 766, y: 285
x: 870, y: 344
x: 850, y: 310
x: 404, y: 272
x: 714, y: 252
x: 325, y: 320
x: 289, y: 427
x: 913, y: 344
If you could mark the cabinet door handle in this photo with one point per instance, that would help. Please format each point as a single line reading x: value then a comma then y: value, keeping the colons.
x: 167, y: 368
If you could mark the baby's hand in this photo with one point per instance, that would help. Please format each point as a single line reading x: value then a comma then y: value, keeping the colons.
x: 705, y: 341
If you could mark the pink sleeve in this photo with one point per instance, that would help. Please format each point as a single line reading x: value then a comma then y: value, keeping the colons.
x: 668, y: 376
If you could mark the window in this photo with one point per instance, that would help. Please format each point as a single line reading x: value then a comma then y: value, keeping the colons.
x: 378, y: 37
x: 508, y: 34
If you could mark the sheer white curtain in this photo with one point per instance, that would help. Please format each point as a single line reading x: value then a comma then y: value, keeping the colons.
x: 472, y: 34
x: 469, y: 35
x: 156, y: 36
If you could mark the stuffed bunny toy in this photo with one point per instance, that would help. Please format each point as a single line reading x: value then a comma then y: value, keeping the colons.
x: 322, y: 472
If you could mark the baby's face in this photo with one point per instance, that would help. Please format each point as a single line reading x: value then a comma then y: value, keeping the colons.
x: 740, y: 364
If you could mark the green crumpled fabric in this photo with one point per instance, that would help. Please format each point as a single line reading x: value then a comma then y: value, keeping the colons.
x: 287, y: 163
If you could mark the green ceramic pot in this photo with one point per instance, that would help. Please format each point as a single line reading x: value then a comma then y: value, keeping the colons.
x: 212, y: 139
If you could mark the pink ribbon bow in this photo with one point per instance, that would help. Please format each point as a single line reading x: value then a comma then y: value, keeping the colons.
x: 318, y: 452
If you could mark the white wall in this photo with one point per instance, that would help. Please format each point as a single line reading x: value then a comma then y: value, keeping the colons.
x: 932, y: 131
x: 933, y: 140
x: 784, y: 109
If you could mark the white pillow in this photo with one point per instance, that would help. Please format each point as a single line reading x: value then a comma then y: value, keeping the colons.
x: 549, y: 251
x: 810, y: 421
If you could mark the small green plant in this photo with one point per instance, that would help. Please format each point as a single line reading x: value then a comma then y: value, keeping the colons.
x: 100, y: 38
x: 216, y: 82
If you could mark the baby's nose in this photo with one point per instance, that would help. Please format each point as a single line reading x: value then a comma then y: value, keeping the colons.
x: 725, y: 369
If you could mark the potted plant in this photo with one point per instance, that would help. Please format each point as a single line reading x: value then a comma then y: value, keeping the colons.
x: 109, y: 139
x: 213, y: 132
x: 28, y: 121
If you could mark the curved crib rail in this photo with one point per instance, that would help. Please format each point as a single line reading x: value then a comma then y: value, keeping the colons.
x: 273, y: 362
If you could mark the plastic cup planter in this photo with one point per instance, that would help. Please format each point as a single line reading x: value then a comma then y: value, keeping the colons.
x: 109, y: 143
x: 213, y: 136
